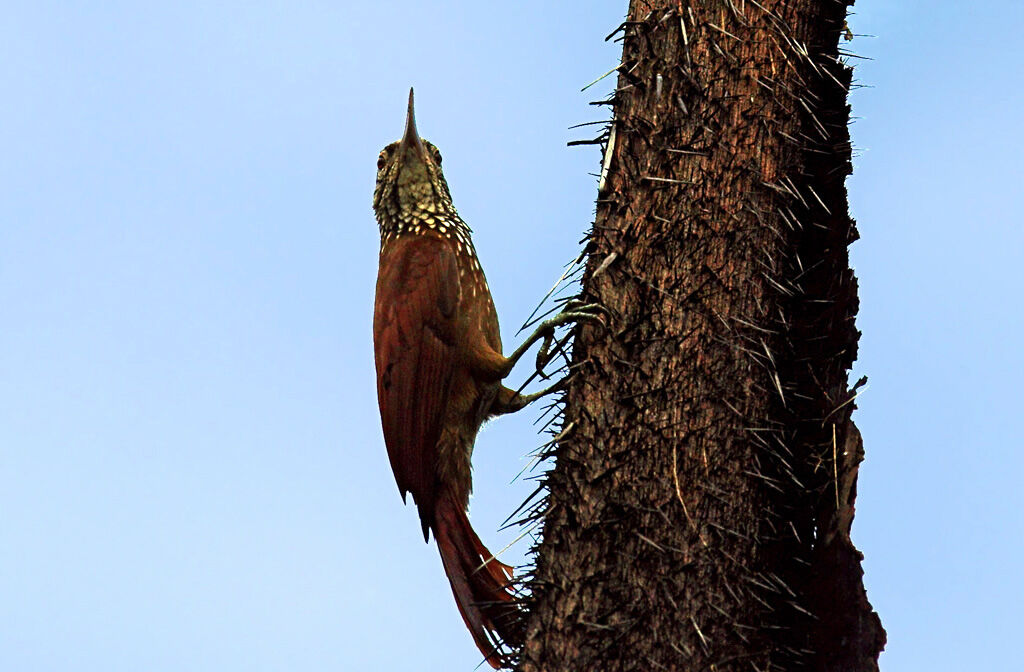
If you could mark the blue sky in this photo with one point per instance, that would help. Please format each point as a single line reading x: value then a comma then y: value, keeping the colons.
x: 191, y: 470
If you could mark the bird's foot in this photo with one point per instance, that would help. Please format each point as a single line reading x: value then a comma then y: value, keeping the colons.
x: 574, y: 312
x: 516, y: 401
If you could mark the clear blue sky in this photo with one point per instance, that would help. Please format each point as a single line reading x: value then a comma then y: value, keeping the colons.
x: 191, y: 470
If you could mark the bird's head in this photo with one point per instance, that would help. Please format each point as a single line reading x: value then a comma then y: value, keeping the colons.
x: 410, y: 184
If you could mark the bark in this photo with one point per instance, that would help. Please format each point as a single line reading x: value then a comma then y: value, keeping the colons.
x: 699, y: 510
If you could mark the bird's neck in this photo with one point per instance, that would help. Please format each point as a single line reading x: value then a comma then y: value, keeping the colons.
x: 427, y: 221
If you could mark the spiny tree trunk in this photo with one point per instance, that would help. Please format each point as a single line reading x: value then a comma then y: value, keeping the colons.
x: 699, y: 511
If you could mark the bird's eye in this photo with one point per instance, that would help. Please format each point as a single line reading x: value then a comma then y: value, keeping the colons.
x: 435, y: 154
x: 381, y: 160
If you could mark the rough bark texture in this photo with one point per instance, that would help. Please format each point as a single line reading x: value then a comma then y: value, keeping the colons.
x: 699, y: 510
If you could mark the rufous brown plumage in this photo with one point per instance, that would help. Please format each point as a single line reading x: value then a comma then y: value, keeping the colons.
x: 439, y: 370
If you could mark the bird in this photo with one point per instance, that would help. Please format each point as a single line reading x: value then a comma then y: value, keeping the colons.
x: 439, y: 365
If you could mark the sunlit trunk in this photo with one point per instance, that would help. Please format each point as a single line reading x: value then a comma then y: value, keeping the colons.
x: 699, y: 509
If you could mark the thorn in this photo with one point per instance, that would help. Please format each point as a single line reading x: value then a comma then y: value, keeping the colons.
x: 605, y: 264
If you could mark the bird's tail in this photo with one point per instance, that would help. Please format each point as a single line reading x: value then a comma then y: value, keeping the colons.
x: 480, y: 582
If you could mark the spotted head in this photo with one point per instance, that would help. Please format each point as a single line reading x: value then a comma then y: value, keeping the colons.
x: 410, y: 185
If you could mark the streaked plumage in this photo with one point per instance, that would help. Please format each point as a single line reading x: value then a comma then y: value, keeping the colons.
x: 439, y: 368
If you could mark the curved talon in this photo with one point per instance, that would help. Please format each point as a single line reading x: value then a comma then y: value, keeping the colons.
x: 521, y: 401
x: 590, y: 312
x: 544, y: 355
x: 575, y: 306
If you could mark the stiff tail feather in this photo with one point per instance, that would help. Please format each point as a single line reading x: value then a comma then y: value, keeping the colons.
x: 480, y: 582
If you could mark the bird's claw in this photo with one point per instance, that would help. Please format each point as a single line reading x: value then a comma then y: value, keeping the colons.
x: 577, y: 306
x: 544, y: 354
x: 574, y: 312
x: 521, y: 401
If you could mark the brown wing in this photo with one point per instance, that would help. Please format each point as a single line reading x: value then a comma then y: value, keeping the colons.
x: 414, y: 346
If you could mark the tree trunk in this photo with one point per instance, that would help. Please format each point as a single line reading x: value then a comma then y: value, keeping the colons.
x: 699, y: 509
